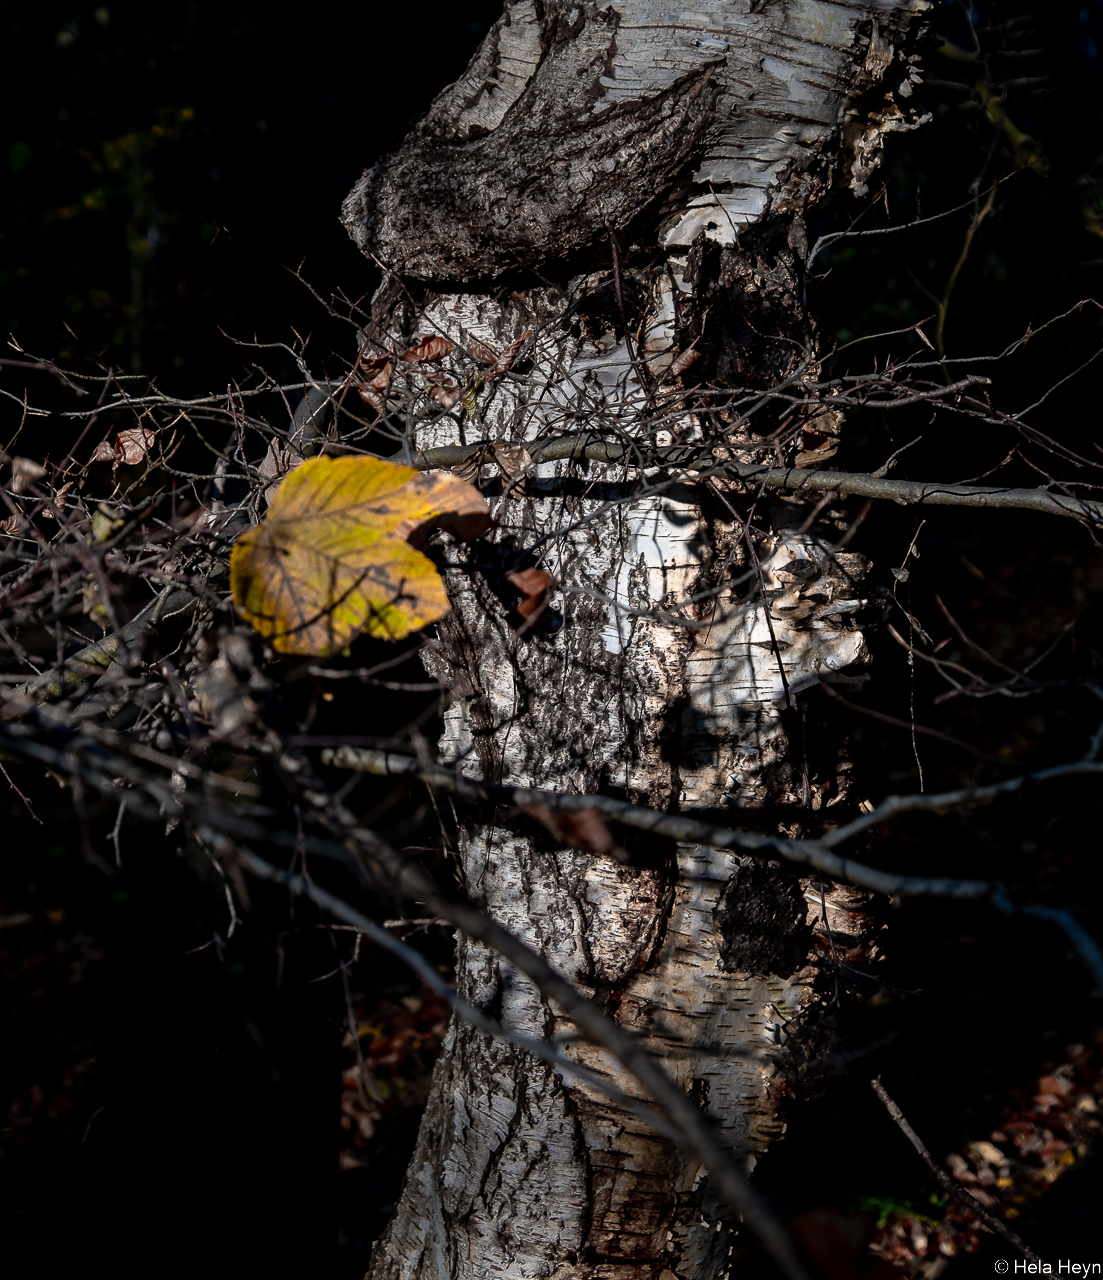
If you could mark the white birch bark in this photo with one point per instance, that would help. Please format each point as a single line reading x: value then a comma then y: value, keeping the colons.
x: 701, y: 137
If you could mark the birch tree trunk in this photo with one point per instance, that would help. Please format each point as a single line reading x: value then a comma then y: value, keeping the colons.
x: 626, y: 189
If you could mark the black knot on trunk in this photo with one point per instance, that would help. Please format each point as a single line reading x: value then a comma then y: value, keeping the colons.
x: 761, y: 920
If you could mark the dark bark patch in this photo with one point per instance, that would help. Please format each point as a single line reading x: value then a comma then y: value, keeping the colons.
x: 761, y: 921
x: 545, y: 183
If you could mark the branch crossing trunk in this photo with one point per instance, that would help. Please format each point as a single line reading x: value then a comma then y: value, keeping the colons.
x: 619, y: 194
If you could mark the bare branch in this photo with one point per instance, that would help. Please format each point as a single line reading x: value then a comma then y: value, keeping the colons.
x: 302, y: 887
x: 951, y: 1187
x: 791, y: 479
x: 803, y: 852
x: 372, y: 859
x: 811, y: 853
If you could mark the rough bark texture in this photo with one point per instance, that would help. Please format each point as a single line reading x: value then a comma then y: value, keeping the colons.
x: 572, y: 120
x: 702, y: 137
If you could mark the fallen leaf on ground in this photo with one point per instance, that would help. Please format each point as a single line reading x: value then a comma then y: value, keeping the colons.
x: 24, y: 472
x: 333, y: 557
x: 427, y: 347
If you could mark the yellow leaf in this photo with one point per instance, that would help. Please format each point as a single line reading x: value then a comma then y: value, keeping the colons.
x: 333, y: 557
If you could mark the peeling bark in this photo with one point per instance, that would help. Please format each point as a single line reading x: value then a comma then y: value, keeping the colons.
x: 701, y: 139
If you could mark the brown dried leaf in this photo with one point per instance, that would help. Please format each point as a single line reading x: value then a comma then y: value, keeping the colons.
x: 505, y: 361
x: 24, y: 473
x: 103, y: 452
x: 824, y: 422
x: 533, y: 585
x: 375, y: 377
x: 375, y: 371
x: 132, y: 446
x: 813, y: 440
x: 681, y: 363
x: 442, y: 390
x: 481, y: 352
x: 470, y: 467
x: 10, y: 526
x: 56, y: 507
x: 427, y: 347
x: 819, y: 438
x: 583, y: 829
x: 512, y: 460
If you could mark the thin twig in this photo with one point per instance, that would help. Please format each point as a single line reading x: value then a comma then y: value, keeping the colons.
x: 949, y: 1185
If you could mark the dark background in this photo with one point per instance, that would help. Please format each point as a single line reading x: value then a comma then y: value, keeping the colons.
x: 164, y: 164
x: 163, y: 168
